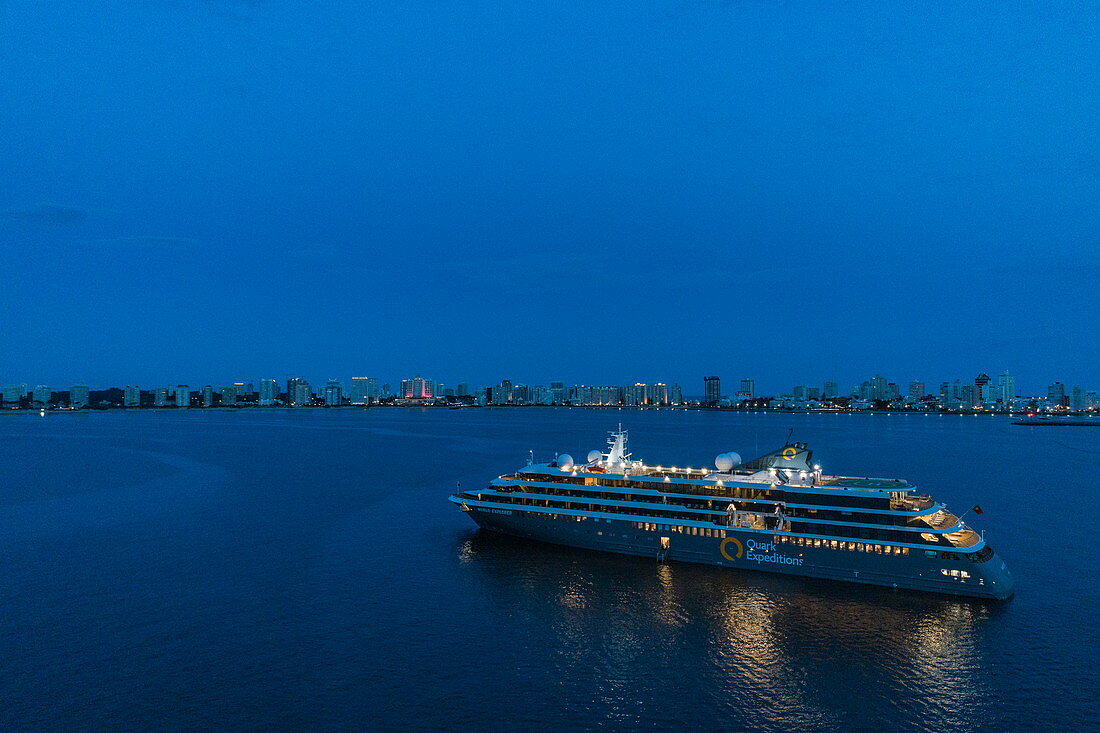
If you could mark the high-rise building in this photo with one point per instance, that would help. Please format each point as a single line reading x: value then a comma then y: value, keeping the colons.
x: 1008, y: 385
x: 916, y: 389
x: 303, y: 392
x: 992, y: 393
x: 951, y: 393
x: 298, y: 391
x: 831, y: 389
x: 712, y: 390
x: 334, y: 392
x: 363, y: 390
x: 801, y: 393
x: 1056, y: 393
x: 229, y: 395
x: 15, y: 393
x: 1078, y: 398
x: 676, y: 394
x: 243, y: 391
x: 502, y: 393
x: 633, y: 394
x: 747, y: 390
x: 207, y: 396
x: 292, y: 389
x: 979, y: 382
x: 183, y: 395
x: 269, y: 392
x: 463, y: 390
x: 557, y: 392
x: 417, y: 388
x: 160, y: 396
x: 41, y: 395
x: 657, y: 394
x: 521, y: 394
x: 880, y: 388
x: 131, y: 396
x: 79, y: 396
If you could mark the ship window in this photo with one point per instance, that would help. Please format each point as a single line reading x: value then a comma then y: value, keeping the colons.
x: 833, y: 543
x: 930, y: 553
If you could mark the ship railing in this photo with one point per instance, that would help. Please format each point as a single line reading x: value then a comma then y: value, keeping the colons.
x: 913, y: 503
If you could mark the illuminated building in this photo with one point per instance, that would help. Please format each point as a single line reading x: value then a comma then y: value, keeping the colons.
x: 417, y: 388
x: 269, y: 392
x: 78, y: 396
x: 712, y: 390
x: 747, y: 390
x: 334, y: 393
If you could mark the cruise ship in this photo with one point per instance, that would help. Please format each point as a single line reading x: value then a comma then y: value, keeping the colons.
x: 778, y: 513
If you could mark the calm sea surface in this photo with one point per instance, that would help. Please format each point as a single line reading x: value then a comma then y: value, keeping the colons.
x: 303, y: 570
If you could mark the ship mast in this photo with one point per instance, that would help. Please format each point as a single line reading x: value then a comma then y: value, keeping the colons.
x: 617, y: 457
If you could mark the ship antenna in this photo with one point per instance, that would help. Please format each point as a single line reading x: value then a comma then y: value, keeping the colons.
x: 789, y: 434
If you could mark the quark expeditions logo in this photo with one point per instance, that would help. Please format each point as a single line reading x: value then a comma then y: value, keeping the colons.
x: 736, y: 543
x: 758, y: 552
x: 789, y: 453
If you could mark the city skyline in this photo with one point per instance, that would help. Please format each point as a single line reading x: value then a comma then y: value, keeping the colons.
x: 1000, y: 391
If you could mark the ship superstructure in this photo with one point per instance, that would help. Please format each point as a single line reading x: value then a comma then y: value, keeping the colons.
x: 779, y: 513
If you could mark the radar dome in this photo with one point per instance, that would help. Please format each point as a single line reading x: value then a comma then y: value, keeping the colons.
x: 565, y: 461
x: 594, y: 455
x: 726, y: 461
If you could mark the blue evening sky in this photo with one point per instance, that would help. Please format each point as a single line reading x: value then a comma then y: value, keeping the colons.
x: 601, y: 192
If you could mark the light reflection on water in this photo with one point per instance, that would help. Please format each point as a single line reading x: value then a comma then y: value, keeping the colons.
x: 750, y: 648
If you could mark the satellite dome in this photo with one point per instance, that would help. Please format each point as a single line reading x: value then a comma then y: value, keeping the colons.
x: 565, y: 461
x: 726, y: 461
x: 594, y: 455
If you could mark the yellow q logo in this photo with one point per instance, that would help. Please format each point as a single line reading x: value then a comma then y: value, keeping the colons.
x: 735, y: 541
x: 789, y: 453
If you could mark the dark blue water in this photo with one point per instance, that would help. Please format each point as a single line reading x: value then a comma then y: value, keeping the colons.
x: 302, y: 569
